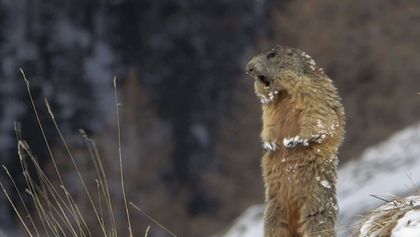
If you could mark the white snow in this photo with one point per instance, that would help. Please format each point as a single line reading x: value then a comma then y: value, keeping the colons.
x: 272, y: 94
x: 408, y: 225
x: 249, y: 224
x: 264, y: 99
x: 325, y: 184
x: 391, y: 167
x: 398, y: 206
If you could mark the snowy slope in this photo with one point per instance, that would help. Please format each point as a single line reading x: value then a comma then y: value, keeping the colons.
x: 391, y: 167
x: 408, y: 226
x: 249, y: 224
x: 398, y: 218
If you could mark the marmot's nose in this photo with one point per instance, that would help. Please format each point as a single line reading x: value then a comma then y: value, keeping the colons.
x: 252, y: 67
x: 249, y: 68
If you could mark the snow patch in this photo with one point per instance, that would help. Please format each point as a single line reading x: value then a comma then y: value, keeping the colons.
x: 408, y: 225
x: 267, y: 100
x: 325, y: 184
x: 249, y: 224
x: 391, y: 167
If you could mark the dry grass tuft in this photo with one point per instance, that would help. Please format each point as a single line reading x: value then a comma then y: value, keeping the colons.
x: 382, y: 220
x: 57, y: 211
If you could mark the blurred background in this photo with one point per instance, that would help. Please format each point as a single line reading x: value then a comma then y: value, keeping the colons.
x: 190, y: 121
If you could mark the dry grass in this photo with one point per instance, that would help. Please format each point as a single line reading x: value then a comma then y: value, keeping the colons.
x: 56, y: 210
x: 381, y: 221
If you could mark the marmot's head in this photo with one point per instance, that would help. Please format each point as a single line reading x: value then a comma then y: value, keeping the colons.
x: 278, y: 70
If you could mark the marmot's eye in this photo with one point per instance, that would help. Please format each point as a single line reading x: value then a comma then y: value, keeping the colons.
x: 271, y: 55
x: 264, y: 80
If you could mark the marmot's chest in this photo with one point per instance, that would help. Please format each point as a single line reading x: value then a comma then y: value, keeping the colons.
x: 281, y: 122
x: 287, y: 174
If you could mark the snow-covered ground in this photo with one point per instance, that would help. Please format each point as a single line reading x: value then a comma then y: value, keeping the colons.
x: 398, y: 218
x: 408, y: 225
x: 389, y: 168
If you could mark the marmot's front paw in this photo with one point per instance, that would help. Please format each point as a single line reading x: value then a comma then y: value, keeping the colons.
x: 270, y: 146
x: 295, y: 141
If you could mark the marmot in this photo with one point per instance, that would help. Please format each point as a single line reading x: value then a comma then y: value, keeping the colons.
x: 303, y: 126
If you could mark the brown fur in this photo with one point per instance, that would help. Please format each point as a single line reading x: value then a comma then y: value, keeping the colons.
x: 300, y: 175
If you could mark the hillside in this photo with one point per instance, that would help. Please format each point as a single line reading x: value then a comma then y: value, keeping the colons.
x: 389, y: 168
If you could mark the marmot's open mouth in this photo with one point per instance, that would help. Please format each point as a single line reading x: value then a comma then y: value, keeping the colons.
x: 264, y: 80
